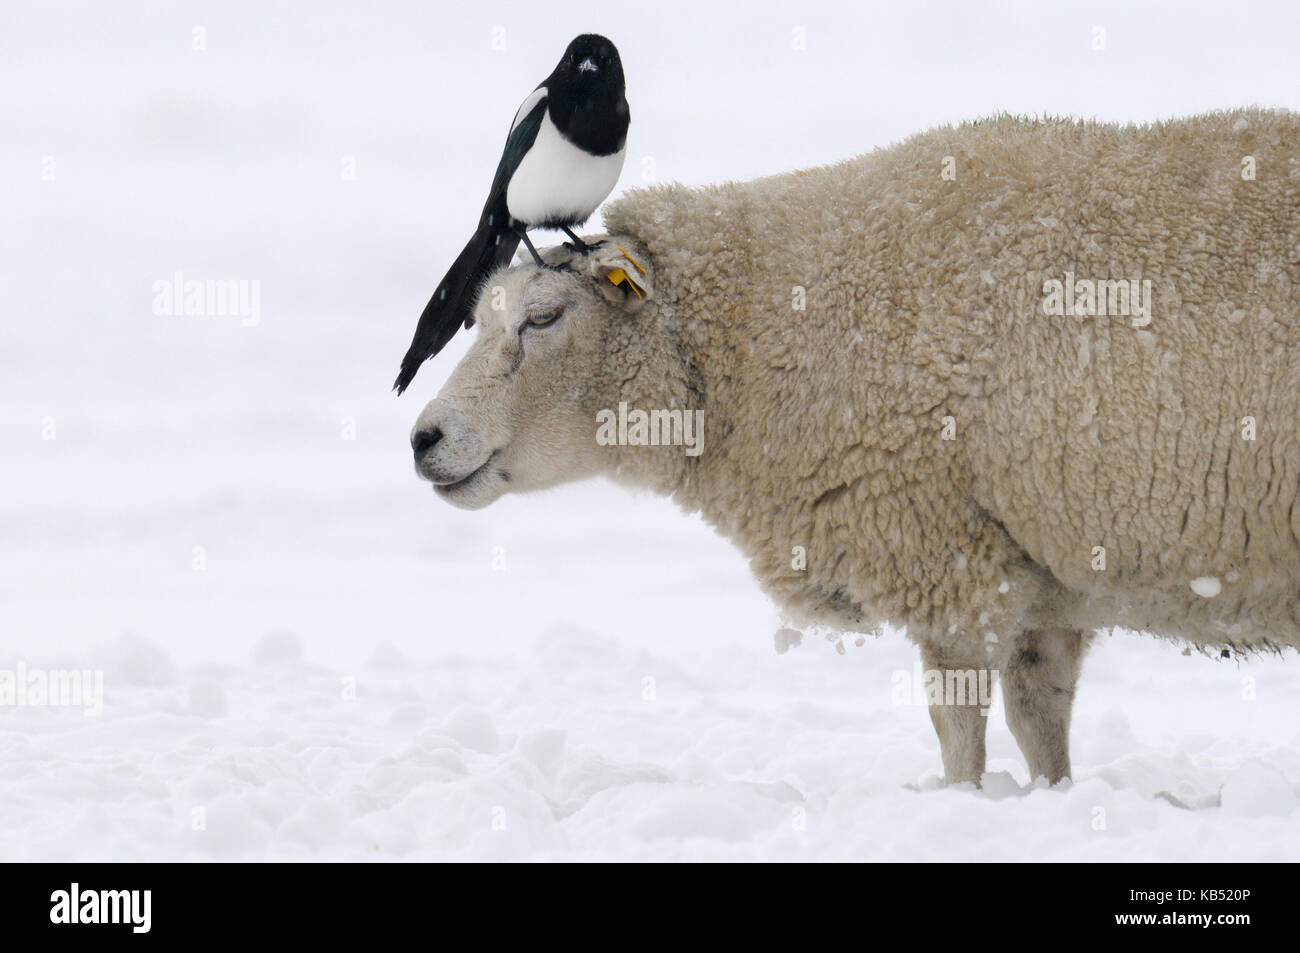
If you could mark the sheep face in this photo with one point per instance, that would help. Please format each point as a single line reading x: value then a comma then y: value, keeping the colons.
x: 518, y: 412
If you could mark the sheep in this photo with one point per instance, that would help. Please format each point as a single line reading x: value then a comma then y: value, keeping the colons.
x: 926, y: 401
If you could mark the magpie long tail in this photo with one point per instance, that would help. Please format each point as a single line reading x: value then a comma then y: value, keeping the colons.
x: 452, y: 304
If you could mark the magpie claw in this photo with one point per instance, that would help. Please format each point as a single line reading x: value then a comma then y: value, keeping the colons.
x: 577, y: 244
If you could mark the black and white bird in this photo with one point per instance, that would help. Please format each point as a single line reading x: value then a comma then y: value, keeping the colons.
x: 562, y: 158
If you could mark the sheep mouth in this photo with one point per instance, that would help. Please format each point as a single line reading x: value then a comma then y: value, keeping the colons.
x: 474, y: 479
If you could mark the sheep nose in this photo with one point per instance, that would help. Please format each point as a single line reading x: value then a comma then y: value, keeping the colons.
x: 424, y: 440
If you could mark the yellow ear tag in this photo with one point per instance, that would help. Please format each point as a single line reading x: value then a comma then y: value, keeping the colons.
x: 635, y: 263
x: 618, y: 276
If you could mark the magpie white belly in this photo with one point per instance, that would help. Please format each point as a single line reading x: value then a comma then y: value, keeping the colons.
x: 559, y: 184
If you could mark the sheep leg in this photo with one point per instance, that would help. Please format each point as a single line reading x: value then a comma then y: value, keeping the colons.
x: 1038, y: 688
x: 960, y: 726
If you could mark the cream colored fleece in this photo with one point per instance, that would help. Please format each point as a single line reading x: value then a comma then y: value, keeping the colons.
x: 1075, y: 439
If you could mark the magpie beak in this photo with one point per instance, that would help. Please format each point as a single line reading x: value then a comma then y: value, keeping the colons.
x: 563, y: 156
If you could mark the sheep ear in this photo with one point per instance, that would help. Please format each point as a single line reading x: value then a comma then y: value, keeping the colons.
x: 623, y: 272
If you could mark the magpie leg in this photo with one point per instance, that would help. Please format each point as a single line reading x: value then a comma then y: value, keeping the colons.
x: 523, y: 233
x: 579, y: 245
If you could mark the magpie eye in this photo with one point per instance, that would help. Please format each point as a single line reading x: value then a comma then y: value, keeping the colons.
x: 543, y: 318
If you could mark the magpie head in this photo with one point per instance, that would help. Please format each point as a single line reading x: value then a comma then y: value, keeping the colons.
x: 591, y: 60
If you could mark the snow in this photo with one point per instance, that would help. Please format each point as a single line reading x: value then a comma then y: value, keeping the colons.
x: 1258, y: 790
x: 306, y: 655
x: 1207, y: 587
x: 582, y: 745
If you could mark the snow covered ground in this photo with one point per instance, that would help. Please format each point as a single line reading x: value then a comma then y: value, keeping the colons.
x: 305, y: 654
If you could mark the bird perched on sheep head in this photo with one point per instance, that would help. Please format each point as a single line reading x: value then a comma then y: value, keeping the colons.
x: 562, y: 157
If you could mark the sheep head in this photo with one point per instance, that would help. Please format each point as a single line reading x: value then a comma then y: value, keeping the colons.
x: 554, y: 346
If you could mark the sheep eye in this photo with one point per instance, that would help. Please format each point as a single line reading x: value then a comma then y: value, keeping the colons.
x: 544, y: 318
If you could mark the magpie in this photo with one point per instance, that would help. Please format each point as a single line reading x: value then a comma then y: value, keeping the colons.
x: 563, y: 156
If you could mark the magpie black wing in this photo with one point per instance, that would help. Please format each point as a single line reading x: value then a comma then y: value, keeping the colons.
x: 492, y: 247
x: 523, y: 133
